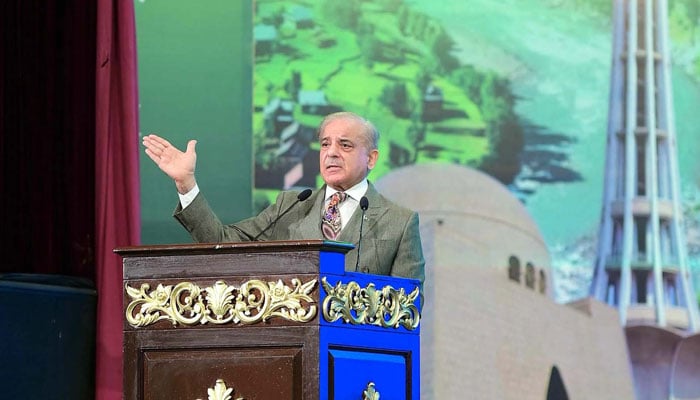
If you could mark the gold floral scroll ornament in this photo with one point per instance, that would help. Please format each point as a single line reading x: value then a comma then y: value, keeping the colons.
x: 187, y: 304
x: 370, y: 392
x: 388, y: 307
x: 220, y: 391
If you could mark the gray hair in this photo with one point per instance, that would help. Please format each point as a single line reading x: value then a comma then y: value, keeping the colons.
x: 370, y: 132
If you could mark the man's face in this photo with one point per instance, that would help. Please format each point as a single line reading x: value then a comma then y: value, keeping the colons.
x: 345, y: 158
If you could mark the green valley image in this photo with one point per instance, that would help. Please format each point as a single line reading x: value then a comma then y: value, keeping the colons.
x: 516, y: 89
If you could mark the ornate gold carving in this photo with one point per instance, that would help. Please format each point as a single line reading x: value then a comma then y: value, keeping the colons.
x: 255, y: 301
x: 370, y: 392
x: 220, y: 391
x: 388, y: 307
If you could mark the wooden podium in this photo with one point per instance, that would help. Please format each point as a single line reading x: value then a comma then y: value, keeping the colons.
x: 265, y: 320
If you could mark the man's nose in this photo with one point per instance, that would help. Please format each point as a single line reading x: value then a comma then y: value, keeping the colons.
x: 332, y: 149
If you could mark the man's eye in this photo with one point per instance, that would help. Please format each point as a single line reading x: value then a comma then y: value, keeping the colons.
x: 324, y: 144
x: 346, y: 145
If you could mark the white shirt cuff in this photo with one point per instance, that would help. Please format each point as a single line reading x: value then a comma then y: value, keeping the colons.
x: 187, y: 198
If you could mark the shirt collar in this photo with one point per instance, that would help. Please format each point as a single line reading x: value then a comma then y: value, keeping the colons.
x: 356, y: 192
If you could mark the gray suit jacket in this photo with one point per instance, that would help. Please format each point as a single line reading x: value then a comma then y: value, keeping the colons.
x: 391, y: 242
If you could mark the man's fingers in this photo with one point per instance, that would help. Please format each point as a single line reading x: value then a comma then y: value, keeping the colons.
x: 162, y: 142
x: 152, y: 156
x: 155, y: 142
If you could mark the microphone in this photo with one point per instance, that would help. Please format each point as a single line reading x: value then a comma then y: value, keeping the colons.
x: 300, y: 197
x: 364, y: 203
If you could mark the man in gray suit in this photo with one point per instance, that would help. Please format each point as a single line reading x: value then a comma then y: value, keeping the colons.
x: 391, y: 242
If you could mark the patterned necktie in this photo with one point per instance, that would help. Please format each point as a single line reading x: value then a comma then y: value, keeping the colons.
x: 331, y: 216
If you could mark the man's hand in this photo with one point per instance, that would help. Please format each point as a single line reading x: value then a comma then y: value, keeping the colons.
x: 176, y: 164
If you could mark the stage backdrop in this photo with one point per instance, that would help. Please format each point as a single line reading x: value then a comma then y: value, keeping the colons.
x: 517, y: 89
x: 195, y: 82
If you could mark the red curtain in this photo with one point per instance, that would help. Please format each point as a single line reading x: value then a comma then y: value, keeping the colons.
x: 117, y: 210
x: 69, y: 152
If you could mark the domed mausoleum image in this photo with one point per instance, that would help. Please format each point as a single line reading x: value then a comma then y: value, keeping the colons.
x: 490, y: 325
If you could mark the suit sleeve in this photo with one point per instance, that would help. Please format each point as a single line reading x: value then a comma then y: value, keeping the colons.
x: 409, y: 261
x: 205, y: 227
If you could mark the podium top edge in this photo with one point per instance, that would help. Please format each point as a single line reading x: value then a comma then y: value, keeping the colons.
x: 236, y: 247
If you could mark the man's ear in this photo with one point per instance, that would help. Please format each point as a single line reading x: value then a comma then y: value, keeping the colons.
x: 373, y: 156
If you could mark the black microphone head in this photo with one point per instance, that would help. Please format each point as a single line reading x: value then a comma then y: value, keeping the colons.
x: 304, y: 195
x: 364, y: 203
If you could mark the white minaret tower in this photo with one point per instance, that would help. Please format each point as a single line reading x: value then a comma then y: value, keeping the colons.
x: 641, y: 266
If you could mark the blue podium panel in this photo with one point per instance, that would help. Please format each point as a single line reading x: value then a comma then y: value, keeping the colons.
x: 351, y: 370
x: 332, y: 261
x: 369, y: 339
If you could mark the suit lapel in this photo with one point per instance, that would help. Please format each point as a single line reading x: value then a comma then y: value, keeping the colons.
x: 308, y: 224
x: 377, y: 208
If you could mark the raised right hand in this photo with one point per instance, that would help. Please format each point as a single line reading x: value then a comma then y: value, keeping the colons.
x: 176, y: 164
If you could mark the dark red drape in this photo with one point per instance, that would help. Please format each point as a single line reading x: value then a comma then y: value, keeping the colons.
x: 69, y: 152
x: 117, y: 212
